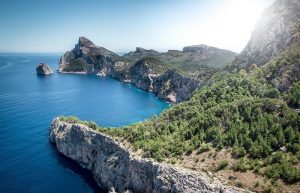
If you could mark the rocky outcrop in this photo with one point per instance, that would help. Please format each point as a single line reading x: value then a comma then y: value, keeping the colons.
x: 142, y: 52
x: 116, y: 168
x: 43, y: 69
x: 173, y: 86
x: 149, y: 74
x: 167, y: 84
x: 278, y: 27
x: 89, y: 58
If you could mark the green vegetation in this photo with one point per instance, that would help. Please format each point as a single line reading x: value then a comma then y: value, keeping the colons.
x: 190, y: 63
x: 222, y: 165
x: 73, y: 119
x: 78, y: 65
x: 241, y: 111
x: 241, y: 165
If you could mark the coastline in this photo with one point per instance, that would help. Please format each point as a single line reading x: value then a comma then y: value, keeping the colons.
x: 170, y: 100
x: 115, y: 166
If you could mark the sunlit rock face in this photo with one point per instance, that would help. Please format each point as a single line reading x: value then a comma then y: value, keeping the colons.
x: 115, y: 167
x: 278, y: 27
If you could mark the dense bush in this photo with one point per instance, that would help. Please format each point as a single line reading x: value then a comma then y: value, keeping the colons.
x: 222, y: 165
x: 78, y: 65
x: 240, y: 165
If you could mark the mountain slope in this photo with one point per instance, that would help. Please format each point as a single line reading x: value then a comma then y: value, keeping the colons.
x: 278, y: 27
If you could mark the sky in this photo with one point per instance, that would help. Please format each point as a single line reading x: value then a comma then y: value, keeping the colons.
x: 122, y: 25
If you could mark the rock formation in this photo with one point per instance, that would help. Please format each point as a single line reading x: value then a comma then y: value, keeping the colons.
x: 142, y: 52
x: 278, y: 27
x: 43, y: 69
x: 116, y: 168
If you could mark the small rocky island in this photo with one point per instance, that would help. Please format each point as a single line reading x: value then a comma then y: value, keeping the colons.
x: 43, y: 69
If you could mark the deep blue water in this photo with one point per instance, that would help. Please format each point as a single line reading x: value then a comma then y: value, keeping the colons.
x: 28, y: 103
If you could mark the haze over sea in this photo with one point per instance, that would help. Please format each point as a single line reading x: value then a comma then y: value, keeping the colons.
x: 28, y: 103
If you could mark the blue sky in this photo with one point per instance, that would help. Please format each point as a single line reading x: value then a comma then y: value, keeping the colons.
x: 122, y: 25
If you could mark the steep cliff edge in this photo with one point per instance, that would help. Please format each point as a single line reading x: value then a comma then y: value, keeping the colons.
x: 114, y: 166
x: 278, y: 27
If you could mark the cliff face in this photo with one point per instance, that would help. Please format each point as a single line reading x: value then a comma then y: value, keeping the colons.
x: 171, y: 81
x: 114, y: 166
x: 278, y: 27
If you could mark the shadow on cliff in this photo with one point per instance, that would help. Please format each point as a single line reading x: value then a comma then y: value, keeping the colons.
x: 77, y: 169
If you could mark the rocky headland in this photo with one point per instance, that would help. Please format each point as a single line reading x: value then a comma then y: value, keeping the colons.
x: 171, y: 77
x: 114, y: 166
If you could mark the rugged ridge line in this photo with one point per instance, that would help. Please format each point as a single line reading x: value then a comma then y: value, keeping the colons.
x: 114, y: 166
x: 148, y: 70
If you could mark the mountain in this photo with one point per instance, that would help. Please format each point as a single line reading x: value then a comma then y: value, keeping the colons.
x: 278, y: 27
x: 171, y: 77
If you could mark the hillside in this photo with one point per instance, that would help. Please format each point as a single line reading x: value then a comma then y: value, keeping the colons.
x: 191, y: 61
x: 239, y: 126
x: 243, y: 124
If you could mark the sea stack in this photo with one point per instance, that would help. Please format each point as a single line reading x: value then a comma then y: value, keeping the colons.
x: 43, y: 69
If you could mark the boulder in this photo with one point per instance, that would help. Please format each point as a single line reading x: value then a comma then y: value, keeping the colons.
x: 43, y: 69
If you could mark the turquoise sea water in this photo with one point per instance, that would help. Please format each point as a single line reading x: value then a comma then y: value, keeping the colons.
x: 28, y: 103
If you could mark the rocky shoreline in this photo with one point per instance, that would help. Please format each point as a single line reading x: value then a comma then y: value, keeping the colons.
x: 113, y: 166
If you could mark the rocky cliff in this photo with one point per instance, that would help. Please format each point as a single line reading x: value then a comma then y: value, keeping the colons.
x: 140, y: 68
x: 278, y: 27
x: 112, y: 165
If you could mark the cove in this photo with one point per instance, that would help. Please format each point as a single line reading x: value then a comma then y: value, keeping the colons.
x: 28, y: 103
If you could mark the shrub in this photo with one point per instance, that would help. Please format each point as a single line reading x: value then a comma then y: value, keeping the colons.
x: 92, y: 125
x: 222, y: 165
x: 273, y: 171
x: 272, y: 93
x: 285, y: 171
x: 240, y: 166
x: 203, y: 148
x: 238, y: 151
x: 289, y: 173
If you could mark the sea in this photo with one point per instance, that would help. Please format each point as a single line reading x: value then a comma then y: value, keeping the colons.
x: 29, y: 163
